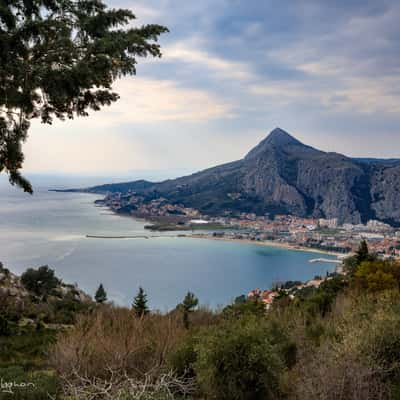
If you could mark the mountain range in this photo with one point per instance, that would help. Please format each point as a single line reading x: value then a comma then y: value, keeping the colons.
x: 281, y: 175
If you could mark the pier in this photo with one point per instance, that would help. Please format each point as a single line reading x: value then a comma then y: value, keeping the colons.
x: 327, y: 260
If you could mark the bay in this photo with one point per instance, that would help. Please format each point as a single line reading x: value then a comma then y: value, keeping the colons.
x: 50, y: 228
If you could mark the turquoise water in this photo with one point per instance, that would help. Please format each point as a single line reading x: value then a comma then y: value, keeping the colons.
x: 51, y: 228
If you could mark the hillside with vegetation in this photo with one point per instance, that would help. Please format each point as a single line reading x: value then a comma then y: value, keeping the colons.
x: 340, y: 340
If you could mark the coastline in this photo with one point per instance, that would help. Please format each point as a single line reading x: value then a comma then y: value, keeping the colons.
x: 270, y: 243
x: 267, y: 243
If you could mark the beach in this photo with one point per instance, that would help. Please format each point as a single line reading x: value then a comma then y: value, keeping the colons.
x: 286, y: 246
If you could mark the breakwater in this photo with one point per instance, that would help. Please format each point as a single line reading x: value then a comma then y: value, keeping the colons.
x: 117, y: 237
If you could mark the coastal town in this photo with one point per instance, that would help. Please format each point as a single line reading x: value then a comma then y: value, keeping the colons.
x: 325, y: 235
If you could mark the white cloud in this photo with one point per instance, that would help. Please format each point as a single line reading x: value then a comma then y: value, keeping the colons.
x: 144, y: 100
x: 149, y: 100
x: 369, y: 95
x: 362, y: 95
x: 188, y: 52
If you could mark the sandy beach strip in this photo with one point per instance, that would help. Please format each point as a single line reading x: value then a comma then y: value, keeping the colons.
x: 269, y: 243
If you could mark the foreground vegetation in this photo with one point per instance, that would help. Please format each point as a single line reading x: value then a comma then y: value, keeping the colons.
x: 338, y: 341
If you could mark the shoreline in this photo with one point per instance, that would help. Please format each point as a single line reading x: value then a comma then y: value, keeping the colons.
x: 267, y: 243
x: 270, y: 243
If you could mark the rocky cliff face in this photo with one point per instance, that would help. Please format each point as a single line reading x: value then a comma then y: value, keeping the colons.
x: 385, y: 193
x: 282, y: 175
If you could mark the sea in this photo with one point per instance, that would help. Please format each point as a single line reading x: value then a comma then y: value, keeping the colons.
x: 50, y: 228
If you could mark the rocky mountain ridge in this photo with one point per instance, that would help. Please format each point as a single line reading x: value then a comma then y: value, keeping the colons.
x: 281, y: 175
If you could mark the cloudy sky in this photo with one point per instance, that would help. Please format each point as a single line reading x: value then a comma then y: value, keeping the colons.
x: 232, y: 70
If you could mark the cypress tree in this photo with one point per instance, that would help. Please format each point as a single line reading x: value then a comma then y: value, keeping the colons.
x: 139, y: 305
x: 101, y: 295
x: 190, y: 302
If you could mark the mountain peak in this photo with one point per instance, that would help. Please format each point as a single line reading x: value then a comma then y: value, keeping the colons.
x: 280, y: 137
x: 276, y: 138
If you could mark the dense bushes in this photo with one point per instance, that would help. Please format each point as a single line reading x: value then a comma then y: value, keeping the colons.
x: 241, y: 360
x: 65, y: 310
x: 378, y: 275
x: 113, y: 339
x: 358, y: 355
x: 229, y: 358
x: 114, y: 352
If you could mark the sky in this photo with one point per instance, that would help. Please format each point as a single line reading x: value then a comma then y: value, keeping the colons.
x: 232, y: 70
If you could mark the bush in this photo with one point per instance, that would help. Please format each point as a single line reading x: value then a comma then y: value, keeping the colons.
x: 318, y: 301
x: 334, y: 285
x: 378, y: 275
x: 183, y: 359
x: 336, y: 371
x: 113, y: 339
x: 240, y: 309
x: 355, y: 351
x: 113, y: 351
x: 380, y: 340
x: 314, y: 331
x: 40, y: 281
x: 67, y: 309
x: 240, y: 360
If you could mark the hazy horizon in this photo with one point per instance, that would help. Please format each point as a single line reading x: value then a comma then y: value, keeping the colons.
x: 52, y: 178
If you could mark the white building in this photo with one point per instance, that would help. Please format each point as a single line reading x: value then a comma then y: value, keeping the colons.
x: 330, y: 223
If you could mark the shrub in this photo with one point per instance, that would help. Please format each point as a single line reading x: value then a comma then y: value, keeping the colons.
x: 183, y: 359
x: 249, y: 307
x: 240, y: 360
x: 112, y: 339
x: 66, y: 310
x: 40, y: 281
x: 354, y: 354
x: 112, y: 351
x: 334, y: 285
x: 380, y: 338
x: 378, y: 275
x: 314, y: 331
x: 336, y: 372
x: 318, y: 301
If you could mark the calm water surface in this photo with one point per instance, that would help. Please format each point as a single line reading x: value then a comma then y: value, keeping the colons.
x: 50, y: 228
